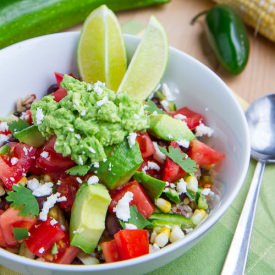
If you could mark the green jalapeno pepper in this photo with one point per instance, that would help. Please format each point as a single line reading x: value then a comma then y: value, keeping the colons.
x: 227, y: 36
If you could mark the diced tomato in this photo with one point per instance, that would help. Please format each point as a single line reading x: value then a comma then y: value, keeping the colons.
x: 204, y: 154
x: 10, y: 219
x: 145, y: 144
x: 68, y: 187
x: 27, y: 116
x: 132, y: 243
x: 11, y: 174
x: 55, y: 162
x: 171, y: 171
x: 59, y: 94
x: 43, y: 236
x: 140, y: 198
x: 192, y: 119
x: 2, y: 240
x: 58, y: 77
x: 68, y: 256
x: 110, y: 251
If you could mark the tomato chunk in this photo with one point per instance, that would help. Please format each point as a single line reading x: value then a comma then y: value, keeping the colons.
x: 42, y: 237
x: 10, y: 219
x: 132, y: 243
x: 58, y: 77
x: 145, y: 144
x: 68, y: 256
x: 110, y: 251
x: 171, y: 171
x: 140, y: 198
x: 204, y: 154
x: 59, y: 94
x: 192, y: 118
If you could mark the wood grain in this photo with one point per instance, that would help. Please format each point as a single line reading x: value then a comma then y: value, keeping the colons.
x: 257, y: 79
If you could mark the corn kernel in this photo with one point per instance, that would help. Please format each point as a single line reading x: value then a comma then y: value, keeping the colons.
x: 163, y: 237
x: 23, y: 181
x: 153, y: 248
x: 164, y: 205
x: 198, y: 216
x: 176, y: 234
x: 192, y: 183
x: 153, y: 236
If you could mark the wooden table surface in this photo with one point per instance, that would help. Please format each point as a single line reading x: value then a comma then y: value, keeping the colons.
x: 257, y: 79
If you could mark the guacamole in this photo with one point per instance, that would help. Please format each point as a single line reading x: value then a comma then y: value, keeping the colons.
x: 90, y: 118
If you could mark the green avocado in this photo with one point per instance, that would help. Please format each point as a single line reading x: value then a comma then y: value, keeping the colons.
x: 88, y: 216
x: 30, y: 136
x: 153, y: 186
x: 121, y: 163
x: 167, y: 128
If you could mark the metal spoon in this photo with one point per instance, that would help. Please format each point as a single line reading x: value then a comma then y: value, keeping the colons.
x: 261, y: 123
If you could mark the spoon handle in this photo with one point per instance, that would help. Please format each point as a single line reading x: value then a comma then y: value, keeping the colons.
x: 237, y: 254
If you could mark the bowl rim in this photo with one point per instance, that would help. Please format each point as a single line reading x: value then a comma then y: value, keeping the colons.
x: 192, y: 236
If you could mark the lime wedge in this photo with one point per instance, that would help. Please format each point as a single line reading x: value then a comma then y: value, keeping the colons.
x: 101, y: 54
x: 148, y: 63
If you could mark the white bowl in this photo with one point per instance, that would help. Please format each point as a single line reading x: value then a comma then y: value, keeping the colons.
x: 28, y: 67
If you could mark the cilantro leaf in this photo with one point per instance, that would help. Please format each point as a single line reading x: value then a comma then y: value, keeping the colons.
x: 22, y: 199
x: 18, y: 125
x: 180, y: 158
x: 79, y: 170
x: 151, y: 107
x: 20, y: 233
x: 136, y: 218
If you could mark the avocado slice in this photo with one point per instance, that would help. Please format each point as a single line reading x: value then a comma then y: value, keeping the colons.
x: 153, y: 186
x: 88, y: 216
x: 30, y: 136
x: 122, y: 161
x: 167, y: 128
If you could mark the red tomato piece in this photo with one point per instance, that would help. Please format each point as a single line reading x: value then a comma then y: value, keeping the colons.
x: 68, y: 187
x: 68, y: 256
x: 145, y: 144
x: 171, y: 171
x: 55, y: 162
x: 132, y: 243
x: 58, y: 77
x: 192, y: 119
x: 145, y: 167
x: 110, y: 251
x: 2, y: 240
x: 11, y: 174
x: 204, y: 154
x: 140, y: 198
x: 10, y: 219
x: 43, y: 236
x: 59, y: 94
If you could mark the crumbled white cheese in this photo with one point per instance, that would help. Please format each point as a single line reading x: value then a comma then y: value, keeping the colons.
x: 110, y: 166
x: 25, y: 151
x: 44, y: 154
x: 58, y: 182
x: 136, y: 116
x: 172, y: 185
x: 93, y: 180
x: 130, y: 226
x: 79, y: 180
x: 181, y: 186
x: 122, y: 209
x: 4, y: 126
x: 180, y: 116
x: 165, y: 105
x: 167, y: 92
x: 132, y: 139
x: 3, y: 138
x: 47, y: 205
x: 63, y: 198
x: 167, y: 183
x: 12, y: 179
x: 80, y: 160
x: 41, y: 250
x: 104, y: 100
x: 151, y: 166
x: 39, y: 116
x: 98, y: 87
x: 83, y: 113
x: 159, y: 156
x: 184, y: 143
x: 203, y: 130
x: 78, y: 136
x: 14, y: 160
x: 206, y: 191
x: 53, y: 221
x: 96, y: 164
x: 40, y: 189
x: 92, y: 150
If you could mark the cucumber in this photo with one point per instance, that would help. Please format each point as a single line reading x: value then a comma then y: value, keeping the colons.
x: 171, y: 219
x: 30, y: 136
x: 24, y: 19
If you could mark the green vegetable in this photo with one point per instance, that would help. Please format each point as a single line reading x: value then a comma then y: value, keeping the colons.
x: 20, y: 233
x: 22, y: 199
x: 180, y: 158
x: 172, y: 195
x: 228, y: 37
x: 18, y: 125
x: 79, y: 170
x: 5, y: 149
x: 24, y: 19
x: 202, y: 202
x: 151, y: 107
x: 54, y: 249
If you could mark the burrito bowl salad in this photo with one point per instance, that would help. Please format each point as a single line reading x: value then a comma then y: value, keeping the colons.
x: 91, y: 176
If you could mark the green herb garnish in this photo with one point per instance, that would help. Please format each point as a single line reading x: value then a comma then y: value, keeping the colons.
x: 180, y: 158
x: 22, y: 199
x: 18, y: 125
x: 79, y: 170
x: 151, y: 107
x: 20, y: 233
